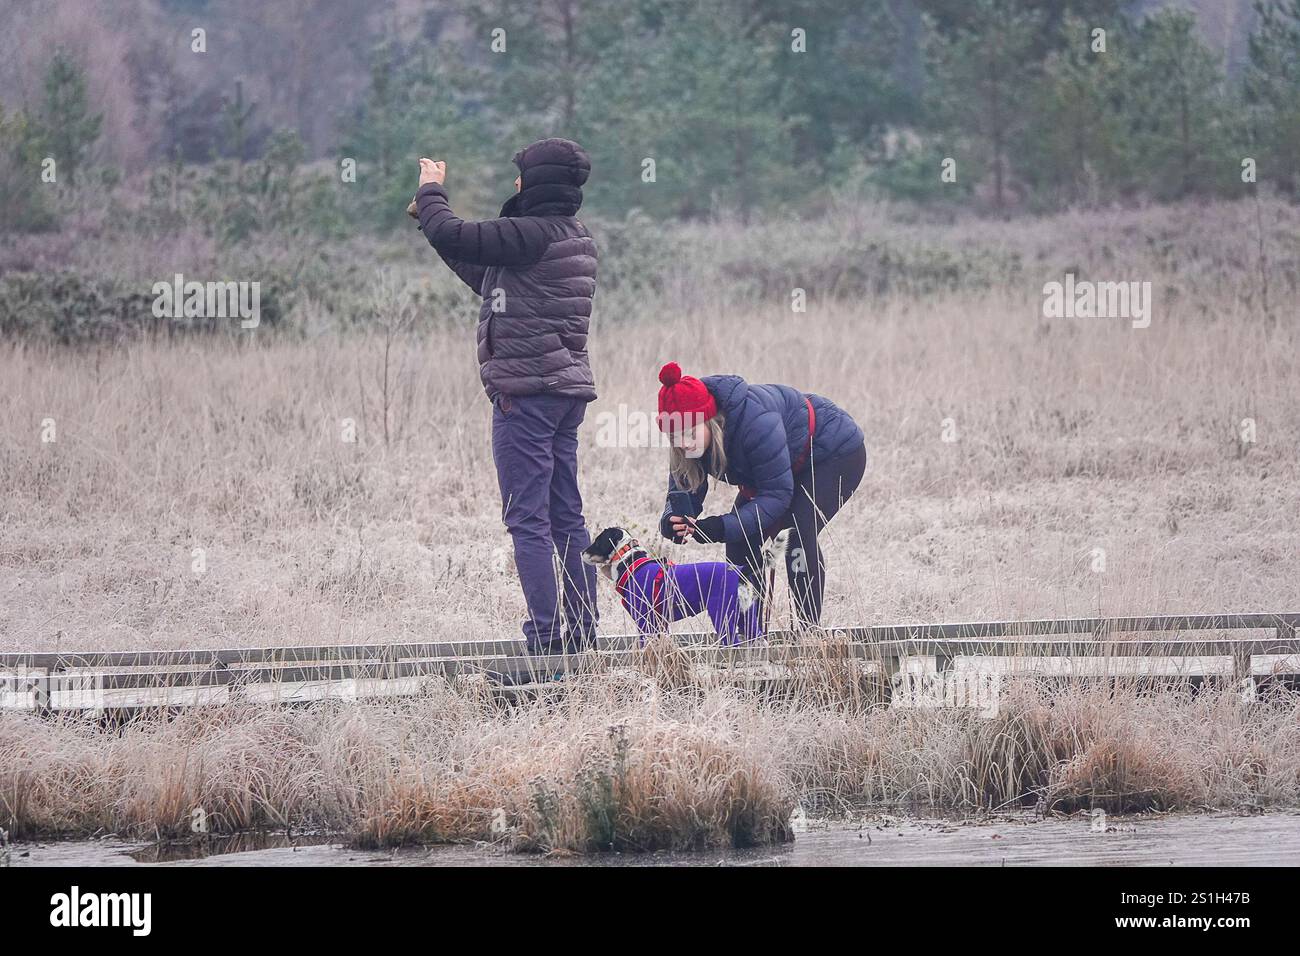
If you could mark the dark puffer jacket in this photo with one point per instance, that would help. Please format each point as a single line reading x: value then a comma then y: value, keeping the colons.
x: 535, y: 268
x: 766, y: 432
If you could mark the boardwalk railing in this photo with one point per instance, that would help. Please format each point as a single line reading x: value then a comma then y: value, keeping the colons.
x: 102, y: 680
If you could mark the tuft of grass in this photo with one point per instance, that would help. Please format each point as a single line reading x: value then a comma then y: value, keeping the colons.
x: 619, y: 763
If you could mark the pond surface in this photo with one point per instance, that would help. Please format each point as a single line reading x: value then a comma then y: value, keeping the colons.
x: 1182, y: 839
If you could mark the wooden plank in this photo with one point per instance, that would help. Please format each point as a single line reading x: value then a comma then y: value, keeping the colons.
x: 512, y: 665
x: 1097, y: 666
x: 516, y: 666
x: 229, y: 657
x: 1088, y: 625
x: 348, y: 688
x: 133, y: 690
x: 350, y: 670
x: 56, y: 660
x: 1031, y: 647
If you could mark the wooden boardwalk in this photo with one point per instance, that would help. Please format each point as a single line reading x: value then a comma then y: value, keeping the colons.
x: 1243, y: 647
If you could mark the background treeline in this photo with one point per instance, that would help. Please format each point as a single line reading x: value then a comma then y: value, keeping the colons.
x: 252, y: 134
x: 230, y: 164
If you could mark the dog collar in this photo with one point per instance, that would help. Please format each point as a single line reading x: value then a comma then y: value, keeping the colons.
x: 617, y: 555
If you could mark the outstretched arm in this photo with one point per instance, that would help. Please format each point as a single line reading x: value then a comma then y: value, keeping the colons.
x: 491, y: 242
x: 470, y: 274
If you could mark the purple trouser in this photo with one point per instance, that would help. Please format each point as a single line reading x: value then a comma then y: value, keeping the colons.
x: 535, y: 445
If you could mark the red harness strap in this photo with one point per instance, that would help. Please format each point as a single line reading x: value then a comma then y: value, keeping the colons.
x: 656, y: 588
x: 750, y: 493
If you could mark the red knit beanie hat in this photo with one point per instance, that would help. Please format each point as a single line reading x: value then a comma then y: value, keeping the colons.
x: 682, y: 400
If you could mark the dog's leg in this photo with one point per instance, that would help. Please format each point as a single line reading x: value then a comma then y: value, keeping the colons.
x: 769, y: 589
x: 749, y: 604
x: 774, y: 554
x: 650, y: 620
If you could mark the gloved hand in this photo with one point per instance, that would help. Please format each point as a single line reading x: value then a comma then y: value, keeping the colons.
x: 709, y: 530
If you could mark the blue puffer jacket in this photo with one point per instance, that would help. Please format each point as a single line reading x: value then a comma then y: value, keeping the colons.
x: 766, y: 432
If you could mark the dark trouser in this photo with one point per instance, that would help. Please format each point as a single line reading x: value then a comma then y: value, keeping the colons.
x: 535, y: 445
x: 820, y: 490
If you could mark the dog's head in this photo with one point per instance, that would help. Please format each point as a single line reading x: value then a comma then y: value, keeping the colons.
x: 609, y: 549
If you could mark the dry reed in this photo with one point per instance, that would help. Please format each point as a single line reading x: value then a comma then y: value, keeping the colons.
x: 619, y: 762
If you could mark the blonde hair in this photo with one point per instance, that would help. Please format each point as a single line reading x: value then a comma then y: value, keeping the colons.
x: 689, y: 473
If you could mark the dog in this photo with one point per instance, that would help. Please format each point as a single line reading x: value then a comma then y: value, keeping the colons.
x: 656, y: 592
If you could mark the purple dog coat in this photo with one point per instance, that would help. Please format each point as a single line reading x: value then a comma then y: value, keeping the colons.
x: 657, y: 592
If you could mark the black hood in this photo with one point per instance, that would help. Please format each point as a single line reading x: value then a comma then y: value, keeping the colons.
x: 552, y: 172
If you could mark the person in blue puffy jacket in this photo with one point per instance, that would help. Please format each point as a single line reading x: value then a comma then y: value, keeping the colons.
x: 795, y: 457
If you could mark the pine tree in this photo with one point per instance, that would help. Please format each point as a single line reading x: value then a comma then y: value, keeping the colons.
x: 23, y: 205
x: 983, y: 71
x: 1272, y: 92
x: 1075, y: 148
x: 545, y: 55
x: 848, y: 85
x: 711, y: 113
x: 1176, y: 111
x: 68, y: 128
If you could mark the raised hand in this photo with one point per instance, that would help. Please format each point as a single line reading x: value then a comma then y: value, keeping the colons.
x: 431, y: 171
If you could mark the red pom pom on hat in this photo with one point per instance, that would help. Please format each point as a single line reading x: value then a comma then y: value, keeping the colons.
x: 670, y: 374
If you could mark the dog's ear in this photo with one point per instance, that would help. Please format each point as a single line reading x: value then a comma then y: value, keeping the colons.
x: 600, y: 550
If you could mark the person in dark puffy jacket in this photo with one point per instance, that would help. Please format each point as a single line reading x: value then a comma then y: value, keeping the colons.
x: 795, y: 457
x: 535, y: 267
